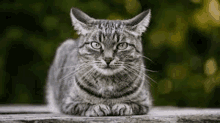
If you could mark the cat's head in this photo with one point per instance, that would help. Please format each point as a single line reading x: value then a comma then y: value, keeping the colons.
x: 110, y: 45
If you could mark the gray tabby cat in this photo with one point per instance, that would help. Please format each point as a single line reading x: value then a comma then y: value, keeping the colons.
x: 101, y: 73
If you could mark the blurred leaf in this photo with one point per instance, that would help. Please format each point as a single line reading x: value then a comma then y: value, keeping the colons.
x: 210, y: 66
x: 195, y: 63
x: 64, y: 30
x: 196, y: 1
x: 1, y: 62
x: 158, y: 38
x: 50, y: 22
x: 177, y: 71
x: 132, y: 6
x: 208, y: 15
x: 195, y: 81
x: 23, y: 95
x: 115, y: 16
x: 37, y: 7
x: 177, y: 36
x: 14, y: 33
x: 65, y: 5
x: 2, y: 89
x: 209, y: 84
x: 165, y: 86
x: 214, y: 10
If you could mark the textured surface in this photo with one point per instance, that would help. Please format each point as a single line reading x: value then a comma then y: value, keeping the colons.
x: 28, y: 113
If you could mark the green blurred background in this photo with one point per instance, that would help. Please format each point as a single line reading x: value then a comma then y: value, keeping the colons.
x: 182, y: 41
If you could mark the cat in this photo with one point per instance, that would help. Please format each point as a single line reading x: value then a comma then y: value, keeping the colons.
x: 102, y: 72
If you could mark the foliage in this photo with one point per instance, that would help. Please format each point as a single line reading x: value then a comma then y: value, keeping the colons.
x: 182, y: 41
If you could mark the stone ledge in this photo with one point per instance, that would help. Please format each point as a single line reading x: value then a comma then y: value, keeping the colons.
x: 31, y: 113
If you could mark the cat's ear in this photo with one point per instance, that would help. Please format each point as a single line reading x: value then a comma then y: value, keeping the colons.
x: 139, y: 23
x: 80, y: 21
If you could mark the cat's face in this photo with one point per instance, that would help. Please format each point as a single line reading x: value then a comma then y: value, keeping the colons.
x: 109, y: 46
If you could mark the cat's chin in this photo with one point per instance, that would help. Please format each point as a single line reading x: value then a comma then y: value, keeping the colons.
x: 108, y: 71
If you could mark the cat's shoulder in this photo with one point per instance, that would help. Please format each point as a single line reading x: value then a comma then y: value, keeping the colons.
x: 67, y: 45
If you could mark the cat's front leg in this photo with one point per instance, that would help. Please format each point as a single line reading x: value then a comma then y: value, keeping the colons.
x: 139, y: 109
x: 98, y: 110
x: 124, y: 109
x: 86, y: 109
x: 75, y: 108
x: 121, y: 109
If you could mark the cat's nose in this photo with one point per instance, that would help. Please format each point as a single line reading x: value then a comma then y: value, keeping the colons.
x: 108, y: 60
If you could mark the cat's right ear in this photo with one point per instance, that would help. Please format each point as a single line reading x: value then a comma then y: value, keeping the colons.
x: 80, y: 21
x: 138, y: 24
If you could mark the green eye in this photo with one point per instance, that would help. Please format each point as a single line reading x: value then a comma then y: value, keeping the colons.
x: 95, y: 45
x: 122, y: 46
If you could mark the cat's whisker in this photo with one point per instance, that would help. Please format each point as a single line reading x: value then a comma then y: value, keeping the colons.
x: 83, y: 60
x: 97, y: 62
x: 128, y: 74
x: 147, y: 58
x: 132, y: 71
x: 73, y: 66
x: 135, y: 69
x: 150, y: 78
x: 91, y: 73
x: 142, y: 66
x: 79, y: 68
x: 118, y: 64
x: 86, y: 73
x: 98, y: 74
x: 69, y: 74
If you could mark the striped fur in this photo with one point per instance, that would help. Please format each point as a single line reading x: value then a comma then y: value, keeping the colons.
x: 102, y: 73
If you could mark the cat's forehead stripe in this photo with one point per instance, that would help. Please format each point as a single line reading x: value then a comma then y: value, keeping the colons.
x: 94, y: 38
x: 107, y: 30
x: 108, y: 26
x: 101, y: 37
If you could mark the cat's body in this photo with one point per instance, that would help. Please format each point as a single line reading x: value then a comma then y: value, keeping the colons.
x: 102, y: 73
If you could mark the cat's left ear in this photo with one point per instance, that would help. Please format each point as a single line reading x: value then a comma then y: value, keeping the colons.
x: 139, y: 23
x: 81, y: 21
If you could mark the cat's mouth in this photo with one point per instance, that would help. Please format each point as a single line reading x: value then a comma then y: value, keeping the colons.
x: 109, y: 67
x: 108, y: 70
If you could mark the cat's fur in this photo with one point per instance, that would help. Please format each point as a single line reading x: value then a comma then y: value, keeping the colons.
x: 97, y: 74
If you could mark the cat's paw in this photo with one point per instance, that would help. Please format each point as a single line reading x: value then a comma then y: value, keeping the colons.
x: 75, y: 109
x: 122, y: 109
x: 139, y: 109
x: 98, y: 110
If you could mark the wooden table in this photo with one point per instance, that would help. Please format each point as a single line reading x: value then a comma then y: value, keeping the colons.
x: 40, y: 113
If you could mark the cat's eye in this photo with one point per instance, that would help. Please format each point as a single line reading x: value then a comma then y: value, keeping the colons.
x: 96, y: 45
x: 122, y: 46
